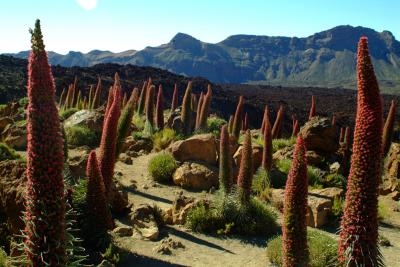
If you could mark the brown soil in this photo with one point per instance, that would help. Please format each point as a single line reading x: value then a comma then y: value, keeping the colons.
x: 208, y: 250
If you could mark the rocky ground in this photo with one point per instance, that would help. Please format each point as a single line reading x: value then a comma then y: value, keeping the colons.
x: 193, y: 249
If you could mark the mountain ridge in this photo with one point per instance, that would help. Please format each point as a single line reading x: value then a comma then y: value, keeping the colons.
x: 325, y: 59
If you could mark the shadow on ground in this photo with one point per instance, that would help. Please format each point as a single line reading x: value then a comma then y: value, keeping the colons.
x: 131, y: 259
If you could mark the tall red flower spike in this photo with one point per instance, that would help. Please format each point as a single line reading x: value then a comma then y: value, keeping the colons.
x: 312, y: 108
x: 266, y: 162
x: 108, y: 143
x: 359, y: 227
x: 278, y: 124
x: 245, y: 175
x: 296, y: 128
x: 388, y: 128
x: 294, y: 228
x: 333, y: 120
x: 205, y: 109
x: 198, y: 112
x: 96, y: 97
x: 263, y: 121
x: 97, y: 205
x: 237, y: 120
x: 160, y: 109
x: 44, y: 199
x: 186, y: 114
x: 225, y: 161
x: 174, y: 103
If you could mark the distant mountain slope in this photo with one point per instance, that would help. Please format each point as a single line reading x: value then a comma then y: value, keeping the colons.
x: 324, y: 59
x: 84, y: 60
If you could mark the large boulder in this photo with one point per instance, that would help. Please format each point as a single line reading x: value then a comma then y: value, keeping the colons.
x: 92, y: 119
x: 313, y: 158
x: 12, y: 188
x: 320, y: 135
x: 196, y: 176
x: 256, y: 153
x: 200, y: 147
x: 319, y: 204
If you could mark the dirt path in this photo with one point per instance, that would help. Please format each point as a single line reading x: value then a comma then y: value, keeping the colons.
x: 200, y: 249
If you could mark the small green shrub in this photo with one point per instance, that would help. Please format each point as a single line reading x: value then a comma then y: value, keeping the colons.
x: 214, y: 125
x: 323, y: 250
x: 335, y: 180
x: 3, y: 258
x: 383, y: 211
x: 81, y: 135
x: 261, y: 182
x: 278, y: 177
x: 138, y: 121
x: 257, y: 219
x: 65, y: 114
x: 204, y: 219
x: 337, y: 207
x: 284, y: 165
x: 278, y: 144
x: 7, y: 153
x: 161, y: 167
x: 137, y: 135
x: 163, y: 139
x: 226, y: 212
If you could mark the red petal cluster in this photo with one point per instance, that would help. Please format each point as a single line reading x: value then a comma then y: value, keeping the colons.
x: 359, y: 226
x: 108, y: 141
x: 97, y: 208
x: 245, y: 176
x: 45, y: 204
x: 294, y: 228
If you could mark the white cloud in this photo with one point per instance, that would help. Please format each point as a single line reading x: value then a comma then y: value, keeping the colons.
x: 87, y: 4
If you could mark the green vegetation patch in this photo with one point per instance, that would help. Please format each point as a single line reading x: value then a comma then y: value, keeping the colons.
x: 65, y: 114
x: 161, y: 167
x: 163, y: 139
x: 214, y: 125
x: 226, y: 215
x: 79, y: 135
x: 323, y: 250
x: 278, y: 144
x: 3, y: 258
x: 7, y: 153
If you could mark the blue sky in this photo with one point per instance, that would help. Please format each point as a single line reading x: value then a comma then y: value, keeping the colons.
x: 119, y: 25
